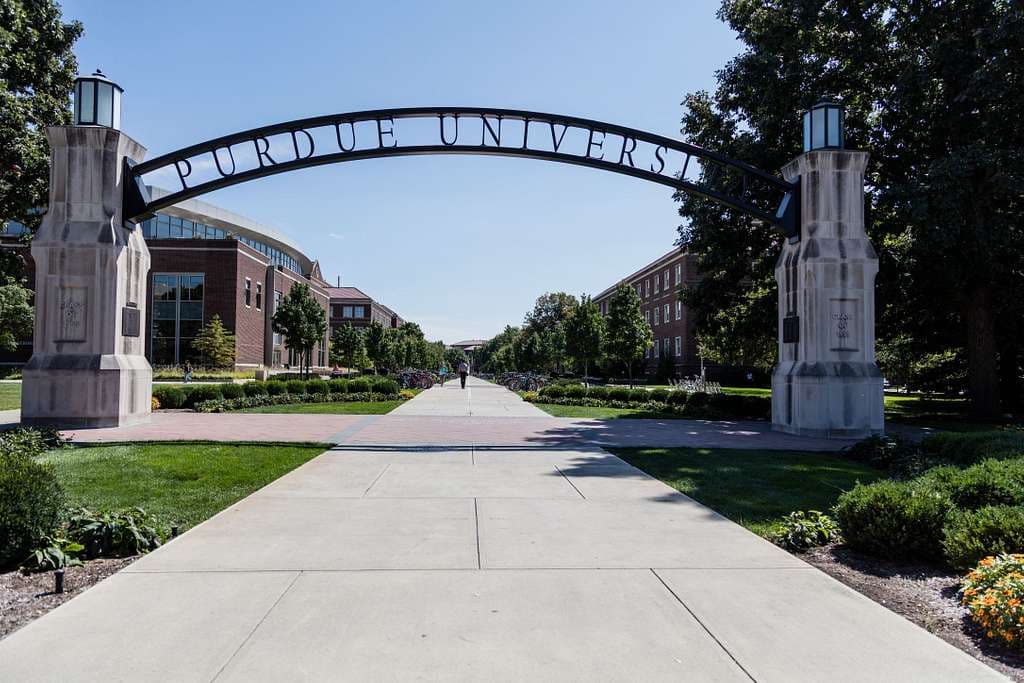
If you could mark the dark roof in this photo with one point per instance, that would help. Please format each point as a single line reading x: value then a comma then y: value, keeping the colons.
x: 347, y: 293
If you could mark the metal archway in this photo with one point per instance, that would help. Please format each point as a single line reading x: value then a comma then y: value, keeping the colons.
x: 336, y: 138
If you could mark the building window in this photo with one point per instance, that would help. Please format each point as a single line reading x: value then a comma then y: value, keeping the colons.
x: 679, y: 346
x: 277, y: 338
x: 679, y: 310
x: 177, y: 316
x: 667, y: 317
x: 248, y: 292
x: 346, y: 312
x: 657, y: 283
x: 666, y: 279
x: 259, y: 296
x: 657, y: 349
x: 647, y: 287
x: 647, y: 317
x: 639, y: 290
x: 679, y: 273
x: 657, y: 315
x: 359, y: 311
x: 335, y: 311
x: 668, y: 349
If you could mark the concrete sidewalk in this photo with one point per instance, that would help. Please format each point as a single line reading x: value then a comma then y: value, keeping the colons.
x: 480, y: 398
x: 476, y: 563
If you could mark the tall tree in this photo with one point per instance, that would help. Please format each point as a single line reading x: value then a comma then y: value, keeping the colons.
x: 347, y: 346
x: 585, y: 334
x: 376, y: 340
x: 453, y: 356
x: 934, y: 91
x: 216, y: 344
x: 629, y: 335
x: 302, y: 322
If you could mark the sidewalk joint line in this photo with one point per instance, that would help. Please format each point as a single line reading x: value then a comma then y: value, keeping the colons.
x: 559, y: 470
x: 254, y: 628
x: 476, y: 517
x: 703, y: 626
x: 372, y: 483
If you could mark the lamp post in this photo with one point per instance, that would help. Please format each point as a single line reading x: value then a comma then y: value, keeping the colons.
x: 97, y: 101
x: 823, y: 126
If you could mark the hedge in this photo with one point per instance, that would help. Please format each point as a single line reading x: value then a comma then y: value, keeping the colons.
x: 32, y: 501
x: 695, y: 405
x: 972, y: 535
x: 169, y: 397
x: 231, y: 390
x: 227, y: 405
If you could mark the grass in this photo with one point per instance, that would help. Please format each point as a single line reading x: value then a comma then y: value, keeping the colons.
x: 754, y: 488
x: 10, y: 395
x: 181, y: 483
x: 352, y: 408
x: 601, y: 413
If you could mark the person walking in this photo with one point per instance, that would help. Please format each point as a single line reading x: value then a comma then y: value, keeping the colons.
x: 188, y: 371
x: 443, y: 372
x: 463, y: 371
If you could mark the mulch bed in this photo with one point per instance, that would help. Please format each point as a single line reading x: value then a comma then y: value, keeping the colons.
x: 925, y: 595
x: 24, y: 598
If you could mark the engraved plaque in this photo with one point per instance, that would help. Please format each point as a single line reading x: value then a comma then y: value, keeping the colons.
x: 844, y: 321
x: 131, y: 321
x: 73, y: 311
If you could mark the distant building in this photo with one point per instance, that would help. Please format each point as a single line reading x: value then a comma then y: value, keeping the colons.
x: 658, y: 284
x: 468, y: 345
x: 350, y: 305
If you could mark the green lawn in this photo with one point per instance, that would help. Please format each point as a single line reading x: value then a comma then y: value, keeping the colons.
x: 752, y: 487
x: 748, y: 391
x: 601, y: 413
x: 10, y: 395
x: 351, y: 408
x: 182, y: 483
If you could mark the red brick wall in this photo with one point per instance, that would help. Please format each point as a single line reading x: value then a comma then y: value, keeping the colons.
x: 282, y: 280
x: 250, y: 322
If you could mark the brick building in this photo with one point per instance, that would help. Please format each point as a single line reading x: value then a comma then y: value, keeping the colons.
x: 658, y: 284
x: 207, y: 261
x: 350, y: 305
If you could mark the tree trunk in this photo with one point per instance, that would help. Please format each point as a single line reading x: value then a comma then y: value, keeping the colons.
x: 585, y: 366
x: 983, y: 380
x: 629, y: 371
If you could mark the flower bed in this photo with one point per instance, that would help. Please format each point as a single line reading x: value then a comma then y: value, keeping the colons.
x: 229, y: 404
x: 697, y: 405
x: 994, y: 594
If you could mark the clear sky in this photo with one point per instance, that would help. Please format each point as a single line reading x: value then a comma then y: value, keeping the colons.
x: 463, y: 244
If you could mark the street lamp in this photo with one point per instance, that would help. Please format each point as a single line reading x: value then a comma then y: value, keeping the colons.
x: 823, y: 126
x: 97, y: 101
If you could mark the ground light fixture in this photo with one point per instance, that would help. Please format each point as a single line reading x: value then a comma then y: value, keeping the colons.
x: 97, y: 101
x: 823, y: 126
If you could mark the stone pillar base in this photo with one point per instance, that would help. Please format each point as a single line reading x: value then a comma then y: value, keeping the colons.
x: 828, y: 399
x: 83, y: 390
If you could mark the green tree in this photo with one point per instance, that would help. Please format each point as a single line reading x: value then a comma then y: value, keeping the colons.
x: 37, y: 73
x: 585, y: 334
x: 347, y: 346
x: 376, y: 340
x: 302, y: 322
x: 216, y: 344
x: 629, y: 335
x: 497, y: 354
x: 16, y: 312
x: 453, y: 356
x: 934, y: 91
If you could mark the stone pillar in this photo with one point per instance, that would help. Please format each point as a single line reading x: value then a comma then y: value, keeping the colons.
x: 88, y: 367
x: 827, y: 382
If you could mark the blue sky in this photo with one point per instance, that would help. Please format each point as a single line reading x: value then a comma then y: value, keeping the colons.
x: 462, y: 244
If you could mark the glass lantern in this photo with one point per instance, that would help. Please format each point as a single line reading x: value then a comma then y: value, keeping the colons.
x: 823, y: 126
x: 97, y: 101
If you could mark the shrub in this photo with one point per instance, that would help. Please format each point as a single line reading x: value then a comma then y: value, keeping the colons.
x: 406, y: 394
x: 30, y: 441
x: 359, y: 386
x: 197, y: 393
x: 994, y: 595
x: 677, y: 398
x: 231, y: 390
x: 970, y: 535
x: 575, y: 391
x: 757, y: 407
x: 31, y: 503
x: 316, y: 386
x: 337, y: 386
x: 894, y: 520
x: 553, y: 391
x: 531, y: 396
x: 169, y: 397
x: 257, y: 388
x: 802, y: 530
x: 971, y: 447
x: 697, y: 400
x: 296, y: 386
x: 639, y: 395
x: 599, y: 393
x: 275, y: 388
x: 53, y: 553
x: 115, y: 534
x: 384, y: 385
x: 619, y: 393
x: 154, y: 403
x: 993, y: 482
x: 659, y: 395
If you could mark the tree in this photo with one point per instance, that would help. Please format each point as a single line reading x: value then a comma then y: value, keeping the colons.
x: 302, y: 322
x: 216, y: 344
x: 453, y: 356
x: 585, y: 333
x: 376, y: 341
x: 347, y: 346
x: 37, y: 74
x: 16, y: 313
x: 629, y: 335
x: 934, y: 91
x: 497, y: 354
